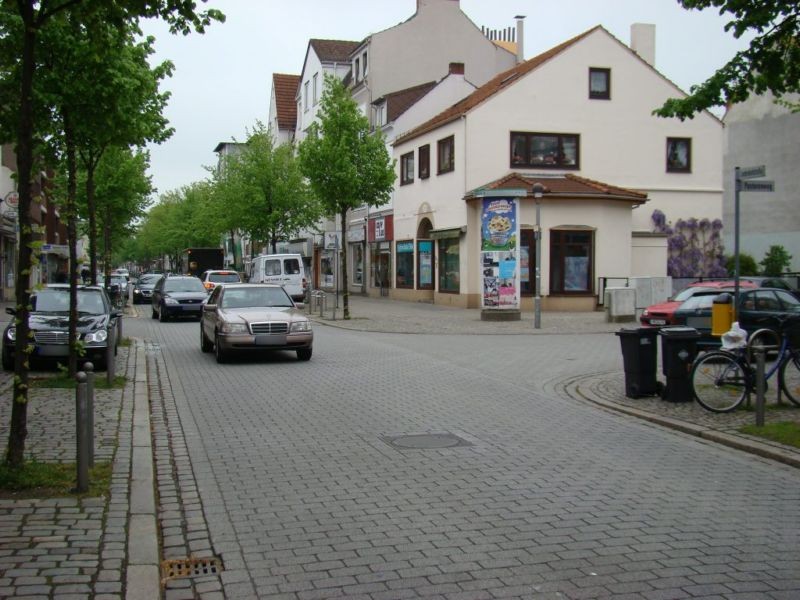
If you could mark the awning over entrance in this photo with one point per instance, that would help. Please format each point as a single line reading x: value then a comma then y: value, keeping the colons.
x: 445, y: 234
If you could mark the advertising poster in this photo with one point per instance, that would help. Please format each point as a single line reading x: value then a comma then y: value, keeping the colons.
x: 425, y: 264
x: 499, y: 253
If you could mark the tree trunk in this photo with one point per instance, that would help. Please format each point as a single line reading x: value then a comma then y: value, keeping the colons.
x: 343, y: 258
x: 18, y: 431
x: 90, y: 208
x: 72, y: 240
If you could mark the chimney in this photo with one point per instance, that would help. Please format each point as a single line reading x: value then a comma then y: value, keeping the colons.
x: 643, y: 41
x: 456, y: 68
x: 520, y: 37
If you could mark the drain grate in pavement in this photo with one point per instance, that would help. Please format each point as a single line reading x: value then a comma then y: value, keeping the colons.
x: 426, y: 441
x: 177, y: 568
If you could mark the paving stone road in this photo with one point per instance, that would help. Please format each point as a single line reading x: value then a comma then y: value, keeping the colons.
x: 288, y: 473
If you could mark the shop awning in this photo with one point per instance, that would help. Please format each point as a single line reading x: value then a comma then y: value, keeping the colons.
x: 445, y: 234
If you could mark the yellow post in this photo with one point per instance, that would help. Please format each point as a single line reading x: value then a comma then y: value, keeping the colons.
x: 722, y: 316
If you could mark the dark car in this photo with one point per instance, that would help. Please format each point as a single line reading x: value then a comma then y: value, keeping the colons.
x: 258, y: 317
x: 759, y: 308
x: 178, y: 296
x: 663, y: 313
x: 143, y: 287
x: 49, y: 323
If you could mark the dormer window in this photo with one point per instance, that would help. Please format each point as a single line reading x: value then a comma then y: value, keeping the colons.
x: 364, y: 63
x: 380, y: 114
x: 357, y: 70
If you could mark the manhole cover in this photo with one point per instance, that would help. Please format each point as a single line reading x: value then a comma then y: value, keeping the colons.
x: 427, y: 441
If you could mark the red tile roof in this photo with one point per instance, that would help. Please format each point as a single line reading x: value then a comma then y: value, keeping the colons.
x: 333, y: 50
x: 399, y: 102
x: 563, y: 185
x: 490, y: 88
x: 285, y: 87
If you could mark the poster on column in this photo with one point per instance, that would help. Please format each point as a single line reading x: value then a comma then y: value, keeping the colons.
x: 499, y: 253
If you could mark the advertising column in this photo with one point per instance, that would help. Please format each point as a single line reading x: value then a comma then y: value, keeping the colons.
x: 500, y: 254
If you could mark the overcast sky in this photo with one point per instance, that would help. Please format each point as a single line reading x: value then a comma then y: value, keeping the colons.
x: 222, y: 80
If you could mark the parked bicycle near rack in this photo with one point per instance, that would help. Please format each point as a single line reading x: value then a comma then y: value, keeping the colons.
x: 723, y: 379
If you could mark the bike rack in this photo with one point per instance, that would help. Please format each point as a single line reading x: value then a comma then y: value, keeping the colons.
x: 319, y: 301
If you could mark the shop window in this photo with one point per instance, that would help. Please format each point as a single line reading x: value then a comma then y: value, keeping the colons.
x: 424, y: 265
x: 599, y: 84
x: 545, y: 150
x: 449, y: 267
x: 407, y: 168
x: 405, y: 265
x: 424, y: 161
x: 679, y: 155
x: 571, y: 262
x: 380, y: 266
x: 527, y: 266
x: 357, y: 252
x: 446, y: 158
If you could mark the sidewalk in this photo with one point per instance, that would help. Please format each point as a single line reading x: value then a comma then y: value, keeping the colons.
x: 106, y: 548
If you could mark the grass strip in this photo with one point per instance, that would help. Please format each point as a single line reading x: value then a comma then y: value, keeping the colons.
x: 785, y: 432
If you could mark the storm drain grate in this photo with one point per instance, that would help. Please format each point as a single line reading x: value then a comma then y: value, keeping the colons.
x: 189, y: 567
x: 426, y: 441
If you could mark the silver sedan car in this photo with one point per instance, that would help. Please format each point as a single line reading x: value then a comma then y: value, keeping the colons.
x: 253, y: 317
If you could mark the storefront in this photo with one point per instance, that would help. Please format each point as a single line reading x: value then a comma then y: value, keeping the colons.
x: 356, y: 267
x: 380, y: 235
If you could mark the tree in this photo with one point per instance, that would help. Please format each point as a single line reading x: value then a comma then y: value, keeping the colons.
x: 261, y: 191
x: 346, y: 165
x: 747, y: 265
x: 771, y: 62
x: 776, y: 261
x: 21, y: 23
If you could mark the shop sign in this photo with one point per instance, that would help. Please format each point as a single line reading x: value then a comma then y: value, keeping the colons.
x: 355, y: 235
x: 11, y: 202
x: 332, y: 240
x: 405, y: 247
x: 380, y: 229
x: 500, y: 254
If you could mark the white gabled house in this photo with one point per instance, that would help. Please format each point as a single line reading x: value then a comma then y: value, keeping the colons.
x: 578, y: 120
x: 282, y: 108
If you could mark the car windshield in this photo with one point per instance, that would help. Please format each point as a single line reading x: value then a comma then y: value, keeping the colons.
x: 699, y: 301
x: 256, y: 296
x: 687, y: 293
x: 223, y: 277
x: 148, y: 279
x: 89, y: 301
x: 118, y: 281
x: 184, y: 284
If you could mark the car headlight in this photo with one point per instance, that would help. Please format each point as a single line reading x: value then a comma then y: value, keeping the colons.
x: 137, y: 291
x: 645, y: 313
x: 168, y: 300
x: 234, y: 328
x: 298, y: 326
x: 12, y: 334
x: 96, y: 337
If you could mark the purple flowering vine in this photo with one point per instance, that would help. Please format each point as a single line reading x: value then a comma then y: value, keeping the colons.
x: 694, y: 246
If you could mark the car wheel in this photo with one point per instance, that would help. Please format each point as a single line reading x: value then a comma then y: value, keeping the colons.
x: 8, y: 362
x: 162, y: 315
x: 304, y: 354
x: 205, y: 344
x: 219, y: 354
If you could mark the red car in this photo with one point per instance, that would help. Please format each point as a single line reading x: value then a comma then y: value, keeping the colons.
x: 659, y: 315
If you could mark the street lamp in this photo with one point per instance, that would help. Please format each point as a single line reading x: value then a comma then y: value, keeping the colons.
x: 538, y: 191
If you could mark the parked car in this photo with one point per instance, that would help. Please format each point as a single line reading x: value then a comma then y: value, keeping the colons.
x: 49, y: 322
x: 211, y: 278
x: 661, y: 314
x: 177, y: 296
x: 759, y: 308
x: 253, y: 317
x: 143, y: 287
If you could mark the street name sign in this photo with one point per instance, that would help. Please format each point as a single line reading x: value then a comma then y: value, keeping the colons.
x: 758, y: 186
x: 752, y: 172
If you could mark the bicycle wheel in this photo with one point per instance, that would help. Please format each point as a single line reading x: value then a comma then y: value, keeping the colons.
x: 720, y: 382
x: 789, y: 377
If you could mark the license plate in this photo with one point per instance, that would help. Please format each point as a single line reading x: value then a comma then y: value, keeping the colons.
x: 658, y: 321
x: 265, y: 339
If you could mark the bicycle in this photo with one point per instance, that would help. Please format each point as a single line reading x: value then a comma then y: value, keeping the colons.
x: 722, y: 379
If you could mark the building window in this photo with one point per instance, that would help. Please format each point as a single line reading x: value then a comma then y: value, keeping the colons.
x: 679, y: 155
x: 405, y: 264
x: 316, y: 88
x: 305, y: 96
x: 449, y: 268
x: 364, y: 63
x: 425, y: 265
x: 599, y: 83
x: 571, y: 263
x: 407, y: 168
x: 545, y: 150
x: 380, y: 114
x: 446, y: 151
x: 357, y: 252
x: 357, y: 71
x: 424, y: 161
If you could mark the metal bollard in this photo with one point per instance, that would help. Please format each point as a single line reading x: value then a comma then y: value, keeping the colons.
x: 81, y: 437
x: 119, y: 327
x: 110, y: 345
x: 90, y: 375
x: 760, y: 385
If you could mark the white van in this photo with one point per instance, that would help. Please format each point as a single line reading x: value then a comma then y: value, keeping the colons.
x: 285, y: 269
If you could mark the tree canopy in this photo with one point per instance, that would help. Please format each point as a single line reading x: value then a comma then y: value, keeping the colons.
x: 770, y: 64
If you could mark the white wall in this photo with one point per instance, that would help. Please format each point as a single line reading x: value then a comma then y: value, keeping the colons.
x: 313, y: 65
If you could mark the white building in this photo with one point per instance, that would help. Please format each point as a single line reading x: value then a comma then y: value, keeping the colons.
x: 578, y: 120
x: 283, y: 108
